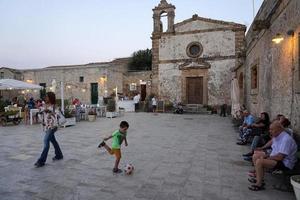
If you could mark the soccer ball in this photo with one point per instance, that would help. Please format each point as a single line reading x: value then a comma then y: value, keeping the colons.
x: 128, y: 169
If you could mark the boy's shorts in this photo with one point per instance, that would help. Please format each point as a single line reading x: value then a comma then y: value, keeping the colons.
x: 116, y: 152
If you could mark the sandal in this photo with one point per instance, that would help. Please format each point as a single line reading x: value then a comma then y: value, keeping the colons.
x: 253, y: 180
x: 256, y: 188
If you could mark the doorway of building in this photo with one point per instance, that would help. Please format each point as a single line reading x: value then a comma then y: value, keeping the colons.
x: 194, y: 86
x: 43, y: 91
x: 143, y: 92
x: 94, y: 93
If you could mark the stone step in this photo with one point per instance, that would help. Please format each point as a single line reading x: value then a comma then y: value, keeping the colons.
x: 195, y: 108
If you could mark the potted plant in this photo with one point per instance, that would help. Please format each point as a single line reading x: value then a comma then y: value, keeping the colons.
x: 295, y: 181
x: 70, y: 118
x: 92, y: 115
x: 111, y: 108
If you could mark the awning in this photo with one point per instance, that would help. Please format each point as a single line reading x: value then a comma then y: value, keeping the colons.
x: 12, y: 84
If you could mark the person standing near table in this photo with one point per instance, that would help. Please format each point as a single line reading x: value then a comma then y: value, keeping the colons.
x: 136, y: 100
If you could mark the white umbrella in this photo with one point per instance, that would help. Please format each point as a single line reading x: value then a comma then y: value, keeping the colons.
x: 12, y: 84
x: 235, y: 98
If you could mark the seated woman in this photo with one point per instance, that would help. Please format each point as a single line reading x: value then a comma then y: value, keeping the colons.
x: 258, y: 128
x: 262, y: 125
x: 261, y: 136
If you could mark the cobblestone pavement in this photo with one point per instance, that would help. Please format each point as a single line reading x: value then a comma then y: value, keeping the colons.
x: 175, y: 157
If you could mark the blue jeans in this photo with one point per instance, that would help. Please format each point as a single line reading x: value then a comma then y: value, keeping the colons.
x: 50, y: 137
x: 256, y: 142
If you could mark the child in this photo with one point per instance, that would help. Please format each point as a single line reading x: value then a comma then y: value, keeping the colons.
x: 154, y: 104
x: 117, y: 139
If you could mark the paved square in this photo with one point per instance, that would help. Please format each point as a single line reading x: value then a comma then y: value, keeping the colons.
x: 175, y: 157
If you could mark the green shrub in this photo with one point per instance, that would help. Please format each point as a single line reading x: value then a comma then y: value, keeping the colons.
x: 69, y: 113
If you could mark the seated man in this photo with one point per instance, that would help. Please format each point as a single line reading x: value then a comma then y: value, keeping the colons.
x: 245, y: 129
x: 282, y: 157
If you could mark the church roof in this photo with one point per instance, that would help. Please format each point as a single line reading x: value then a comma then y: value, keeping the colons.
x: 220, y: 22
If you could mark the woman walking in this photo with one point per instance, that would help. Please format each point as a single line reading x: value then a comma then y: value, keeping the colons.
x: 50, y: 127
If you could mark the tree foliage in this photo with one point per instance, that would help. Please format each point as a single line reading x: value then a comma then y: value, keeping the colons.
x: 141, y: 60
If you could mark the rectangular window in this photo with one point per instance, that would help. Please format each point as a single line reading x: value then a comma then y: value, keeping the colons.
x: 1, y: 75
x: 254, y: 77
x: 132, y: 87
x: 81, y: 79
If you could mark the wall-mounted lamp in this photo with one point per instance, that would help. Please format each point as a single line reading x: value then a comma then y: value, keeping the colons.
x: 278, y: 38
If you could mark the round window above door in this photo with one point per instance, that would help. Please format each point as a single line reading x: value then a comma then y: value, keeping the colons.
x: 194, y: 50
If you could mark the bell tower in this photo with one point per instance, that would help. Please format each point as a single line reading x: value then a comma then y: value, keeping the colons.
x: 164, y: 9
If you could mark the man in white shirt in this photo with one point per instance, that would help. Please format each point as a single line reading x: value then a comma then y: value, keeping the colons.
x: 136, y: 100
x: 282, y: 157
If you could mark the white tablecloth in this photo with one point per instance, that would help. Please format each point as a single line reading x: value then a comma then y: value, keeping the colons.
x: 32, y: 113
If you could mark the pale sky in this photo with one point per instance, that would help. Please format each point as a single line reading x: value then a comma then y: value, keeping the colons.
x: 41, y: 33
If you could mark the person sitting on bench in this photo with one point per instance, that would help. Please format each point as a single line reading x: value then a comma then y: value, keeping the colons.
x: 282, y: 157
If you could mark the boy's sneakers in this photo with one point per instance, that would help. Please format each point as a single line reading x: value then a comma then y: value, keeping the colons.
x: 101, y: 144
x: 117, y: 171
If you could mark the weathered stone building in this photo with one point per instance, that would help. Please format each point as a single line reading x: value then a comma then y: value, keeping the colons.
x: 192, y: 60
x: 271, y: 77
x: 89, y: 82
x: 86, y: 82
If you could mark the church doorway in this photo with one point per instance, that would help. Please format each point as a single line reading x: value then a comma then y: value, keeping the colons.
x: 194, y: 87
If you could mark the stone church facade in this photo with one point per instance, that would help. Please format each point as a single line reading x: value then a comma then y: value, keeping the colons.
x: 193, y: 59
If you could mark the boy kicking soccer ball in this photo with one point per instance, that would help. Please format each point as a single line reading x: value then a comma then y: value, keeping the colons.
x: 117, y: 138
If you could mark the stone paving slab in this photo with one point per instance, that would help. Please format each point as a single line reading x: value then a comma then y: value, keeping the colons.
x: 184, y: 157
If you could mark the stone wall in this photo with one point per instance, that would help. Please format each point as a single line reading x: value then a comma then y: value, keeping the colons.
x: 278, y: 64
x: 107, y: 75
x: 174, y: 47
x: 138, y: 78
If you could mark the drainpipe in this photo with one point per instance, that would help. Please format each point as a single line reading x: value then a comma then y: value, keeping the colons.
x: 291, y: 33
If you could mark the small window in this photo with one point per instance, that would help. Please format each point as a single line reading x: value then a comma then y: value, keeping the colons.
x: 132, y: 87
x: 1, y: 75
x: 81, y: 79
x: 254, y: 77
